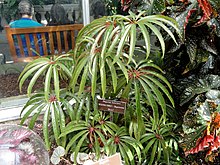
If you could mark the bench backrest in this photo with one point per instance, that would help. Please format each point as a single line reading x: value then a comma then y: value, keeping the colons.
x: 54, y: 40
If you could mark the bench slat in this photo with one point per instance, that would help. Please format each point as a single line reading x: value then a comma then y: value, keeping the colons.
x: 66, y: 41
x: 20, y: 45
x: 59, y: 42
x: 52, y: 34
x: 28, y: 42
x: 44, y: 41
x: 72, y: 39
x: 37, y: 49
x: 11, y: 43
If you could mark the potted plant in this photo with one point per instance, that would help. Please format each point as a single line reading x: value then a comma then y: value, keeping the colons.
x: 112, y: 59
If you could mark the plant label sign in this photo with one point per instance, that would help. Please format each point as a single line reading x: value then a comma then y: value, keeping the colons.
x: 112, y: 106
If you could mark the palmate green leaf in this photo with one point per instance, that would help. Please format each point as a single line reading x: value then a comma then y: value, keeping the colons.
x: 127, y: 89
x: 153, y: 152
x: 55, y: 121
x: 146, y: 137
x: 97, y: 147
x: 94, y: 76
x: 45, y: 128
x: 115, y: 35
x: 138, y: 110
x: 88, y: 108
x: 159, y: 36
x: 106, y: 40
x: 159, y: 151
x: 25, y: 75
x: 110, y: 144
x: 128, y: 153
x: 62, y: 123
x: 38, y: 61
x: 62, y: 57
x: 35, y: 99
x: 148, y: 63
x: 95, y: 45
x: 166, y: 130
x: 150, y: 139
x: 122, y: 42
x: 102, y: 137
x: 162, y: 87
x: 40, y: 66
x: 137, y: 146
x: 74, y: 139
x: 93, y: 31
x: 121, y: 131
x: 123, y: 154
x: 47, y: 83
x: 80, y: 108
x: 112, y: 127
x: 122, y: 18
x: 34, y: 78
x: 113, y: 73
x: 77, y: 70
x: 81, y: 46
x: 149, y: 145
x: 27, y: 114
x: 69, y: 108
x: 152, y: 102
x: 83, y: 80
x: 164, y: 28
x: 133, y: 128
x: 158, y: 19
x: 165, y: 152
x: 56, y: 82
x: 158, y: 94
x: 123, y: 68
x: 101, y: 22
x: 168, y: 20
x: 132, y: 41
x: 79, y: 144
x: 146, y: 36
x: 103, y: 76
x: 35, y: 116
x: 74, y: 126
x: 66, y: 70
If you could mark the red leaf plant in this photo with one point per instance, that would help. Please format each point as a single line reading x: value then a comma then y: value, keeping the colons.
x: 125, y: 4
x: 210, y: 139
x: 207, y: 13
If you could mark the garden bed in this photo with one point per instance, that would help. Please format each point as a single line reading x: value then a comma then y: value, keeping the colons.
x: 9, y: 85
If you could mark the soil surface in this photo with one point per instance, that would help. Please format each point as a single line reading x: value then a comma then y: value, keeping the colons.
x: 9, y: 85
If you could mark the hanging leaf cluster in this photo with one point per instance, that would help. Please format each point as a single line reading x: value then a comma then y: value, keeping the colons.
x: 201, y: 126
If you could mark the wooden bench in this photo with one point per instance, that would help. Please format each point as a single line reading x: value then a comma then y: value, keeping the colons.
x: 54, y: 40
